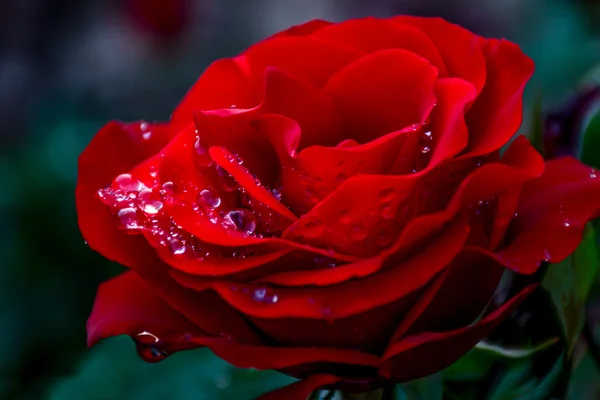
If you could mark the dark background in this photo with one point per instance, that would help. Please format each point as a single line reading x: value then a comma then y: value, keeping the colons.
x: 68, y: 66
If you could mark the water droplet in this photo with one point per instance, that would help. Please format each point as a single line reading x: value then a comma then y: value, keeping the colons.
x: 149, y: 201
x: 202, y: 157
x: 128, y: 184
x: 345, y: 218
x: 128, y: 218
x: 547, y: 255
x: 147, y: 135
x: 208, y: 198
x: 313, y: 229
x: 241, y: 220
x: 153, y: 171
x: 593, y: 173
x: 384, y: 240
x: 176, y: 246
x: 427, y: 134
x: 264, y: 295
x: 425, y: 149
x: 146, y: 338
x: 233, y: 106
x: 325, y: 262
x: 358, y: 232
x: 277, y: 194
x: 341, y: 177
x: 567, y: 224
x: 228, y: 181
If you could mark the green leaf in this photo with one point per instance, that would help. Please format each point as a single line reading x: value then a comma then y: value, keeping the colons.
x: 568, y: 284
x: 476, y: 364
x: 428, y: 388
x: 517, y: 383
x: 112, y: 370
x: 591, y: 143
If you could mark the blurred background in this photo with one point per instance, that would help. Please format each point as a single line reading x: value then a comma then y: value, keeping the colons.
x: 69, y: 66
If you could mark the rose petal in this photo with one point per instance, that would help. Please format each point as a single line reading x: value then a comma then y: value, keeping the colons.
x: 305, y: 29
x: 339, y: 301
x: 460, y: 48
x: 226, y: 82
x: 115, y: 149
x: 372, y: 34
x: 371, y: 91
x: 430, y: 352
x: 301, y: 56
x: 273, y: 357
x: 126, y: 305
x: 497, y: 114
x: 470, y: 272
x: 551, y: 215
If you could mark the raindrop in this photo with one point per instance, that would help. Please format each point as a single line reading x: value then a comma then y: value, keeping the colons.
x: 208, y: 198
x: 242, y: 220
x: 567, y: 224
x: 264, y: 295
x: 128, y: 218
x: 358, y: 232
x: 143, y: 126
x: 168, y: 189
x: 202, y: 157
x: 146, y: 338
x: 427, y: 134
x: 147, y: 135
x: 229, y: 183
x: 593, y: 173
x: 384, y: 240
x: 313, y: 229
x: 176, y: 246
x: 547, y: 256
x: 127, y: 184
x: 425, y: 149
x: 150, y: 201
x: 152, y: 171
x: 277, y: 194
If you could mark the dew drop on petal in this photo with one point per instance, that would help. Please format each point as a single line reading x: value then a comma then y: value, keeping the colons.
x: 168, y: 189
x: 593, y: 173
x: 425, y: 149
x: 241, y: 220
x: 176, y: 246
x: 202, y: 157
x: 358, y: 232
x: 567, y: 224
x: 264, y: 295
x: 146, y: 337
x: 547, y: 255
x: 313, y: 229
x: 208, y: 198
x: 128, y: 184
x: 150, y: 201
x: 128, y: 218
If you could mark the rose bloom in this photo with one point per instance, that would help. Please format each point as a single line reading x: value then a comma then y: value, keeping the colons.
x: 335, y: 203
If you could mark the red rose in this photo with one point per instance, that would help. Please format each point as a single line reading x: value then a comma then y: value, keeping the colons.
x: 332, y: 204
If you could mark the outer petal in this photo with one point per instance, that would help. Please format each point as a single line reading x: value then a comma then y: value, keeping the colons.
x: 425, y: 353
x: 497, y: 114
x: 551, y: 215
x: 373, y: 34
x: 460, y: 49
x: 226, y: 82
x: 301, y: 56
x: 383, y: 92
x: 127, y: 305
x: 115, y: 149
